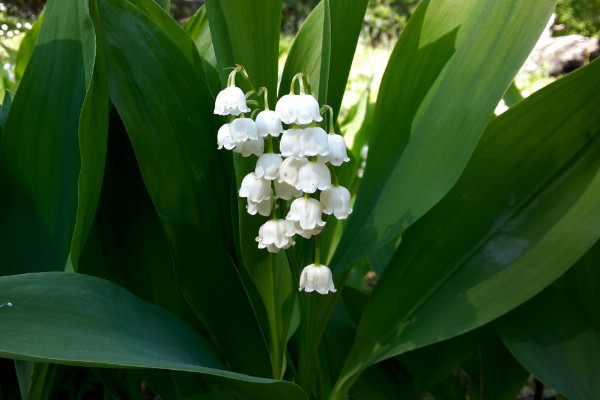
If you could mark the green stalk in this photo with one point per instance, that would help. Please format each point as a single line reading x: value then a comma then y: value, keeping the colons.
x: 308, y: 346
x: 276, y: 348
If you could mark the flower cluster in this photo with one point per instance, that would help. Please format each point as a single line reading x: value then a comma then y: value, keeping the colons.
x: 294, y: 175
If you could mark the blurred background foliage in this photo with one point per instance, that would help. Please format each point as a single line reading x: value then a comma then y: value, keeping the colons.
x: 580, y: 17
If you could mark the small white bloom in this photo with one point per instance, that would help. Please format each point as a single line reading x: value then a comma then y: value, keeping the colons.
x: 336, y: 201
x: 231, y: 101
x: 224, y: 138
x: 307, y: 233
x: 268, y: 123
x: 243, y: 129
x: 256, y: 147
x: 316, y: 277
x: 255, y: 189
x: 290, y: 143
x: 298, y: 109
x: 288, y: 170
x: 312, y: 176
x: 313, y: 142
x: 267, y: 166
x: 276, y: 234
x: 285, y: 191
x: 337, y: 150
x: 307, y: 212
x: 263, y: 208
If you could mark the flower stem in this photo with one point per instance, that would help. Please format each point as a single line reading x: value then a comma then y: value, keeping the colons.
x: 263, y: 90
x: 300, y: 78
x: 330, y: 110
x: 317, y: 249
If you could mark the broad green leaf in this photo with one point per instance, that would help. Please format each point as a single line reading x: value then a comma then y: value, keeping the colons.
x: 198, y: 29
x: 448, y: 389
x: 218, y: 297
x: 324, y: 48
x: 156, y: 84
x: 91, y: 322
x: 556, y: 334
x: 26, y: 47
x: 384, y: 381
x: 247, y: 33
x: 522, y: 213
x: 431, y: 364
x: 39, y: 151
x: 449, y: 69
x: 494, y: 373
x: 93, y: 135
x: 127, y: 244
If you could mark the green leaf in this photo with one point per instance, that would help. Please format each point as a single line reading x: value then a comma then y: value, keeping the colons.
x: 449, y: 69
x: 556, y: 335
x: 431, y: 364
x: 197, y: 28
x: 523, y: 212
x: 91, y: 322
x: 494, y: 373
x: 39, y: 151
x: 93, y: 135
x: 156, y: 84
x: 331, y: 22
x: 218, y: 297
x: 126, y: 239
x: 26, y: 47
x: 247, y: 33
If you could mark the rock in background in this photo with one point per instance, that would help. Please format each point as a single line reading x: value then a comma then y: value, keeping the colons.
x: 562, y: 54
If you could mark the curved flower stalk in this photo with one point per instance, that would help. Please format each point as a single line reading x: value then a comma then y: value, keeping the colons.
x: 298, y: 178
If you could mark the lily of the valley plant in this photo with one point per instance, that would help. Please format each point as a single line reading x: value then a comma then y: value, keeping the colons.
x: 166, y: 191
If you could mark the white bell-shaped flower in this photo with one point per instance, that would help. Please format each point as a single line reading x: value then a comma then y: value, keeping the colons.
x: 290, y: 143
x: 256, y: 147
x: 288, y: 170
x: 285, y: 191
x: 255, y: 189
x: 267, y: 166
x: 263, y: 208
x: 276, y: 234
x: 307, y: 212
x: 231, y: 101
x: 337, y: 150
x: 312, y: 176
x: 316, y: 277
x: 313, y: 142
x: 298, y: 109
x: 307, y: 233
x: 268, y: 123
x: 224, y: 138
x: 336, y: 201
x: 243, y: 129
